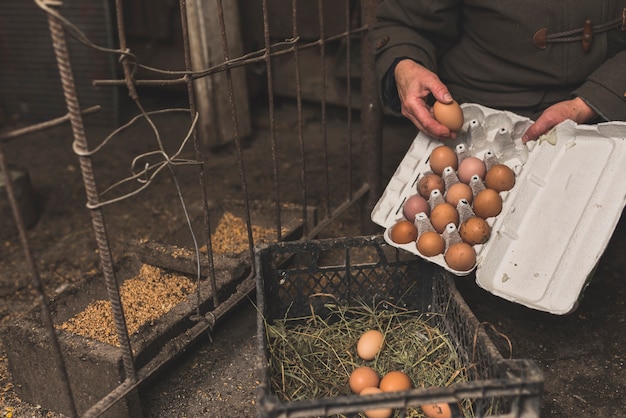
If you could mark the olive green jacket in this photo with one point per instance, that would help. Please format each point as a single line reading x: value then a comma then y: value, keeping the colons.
x: 518, y: 55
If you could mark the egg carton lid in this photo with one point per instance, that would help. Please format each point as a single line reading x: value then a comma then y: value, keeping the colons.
x: 555, y: 223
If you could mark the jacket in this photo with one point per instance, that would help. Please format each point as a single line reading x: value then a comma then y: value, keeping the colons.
x: 521, y: 56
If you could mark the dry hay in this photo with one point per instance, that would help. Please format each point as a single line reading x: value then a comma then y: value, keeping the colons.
x: 312, y: 357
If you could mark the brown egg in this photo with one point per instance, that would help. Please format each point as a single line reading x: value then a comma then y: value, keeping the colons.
x: 430, y: 182
x: 449, y: 115
x: 395, y: 381
x: 442, y: 157
x: 500, y: 178
x: 475, y: 230
x: 442, y: 215
x: 378, y: 412
x: 487, y: 203
x: 369, y: 344
x: 457, y: 192
x: 460, y: 256
x: 363, y: 377
x: 471, y: 166
x: 430, y: 244
x: 413, y: 205
x: 437, y: 410
x: 403, y: 232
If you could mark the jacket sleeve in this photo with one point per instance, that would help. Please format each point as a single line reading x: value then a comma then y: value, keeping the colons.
x: 421, y: 30
x: 605, y: 89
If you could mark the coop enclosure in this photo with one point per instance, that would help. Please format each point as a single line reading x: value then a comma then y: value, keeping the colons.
x: 235, y: 65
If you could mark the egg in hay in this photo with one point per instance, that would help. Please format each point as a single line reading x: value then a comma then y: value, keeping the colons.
x: 369, y: 344
x: 378, y: 412
x: 363, y: 377
x: 395, y: 381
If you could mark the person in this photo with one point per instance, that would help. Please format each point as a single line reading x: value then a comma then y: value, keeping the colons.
x: 549, y: 61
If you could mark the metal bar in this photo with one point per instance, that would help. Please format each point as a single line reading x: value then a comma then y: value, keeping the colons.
x: 296, y: 58
x: 81, y: 147
x: 349, y: 93
x: 371, y: 118
x: 199, y: 157
x: 14, y: 134
x: 259, y: 57
x: 236, y: 137
x: 270, y: 96
x: 44, y: 306
x: 322, y: 43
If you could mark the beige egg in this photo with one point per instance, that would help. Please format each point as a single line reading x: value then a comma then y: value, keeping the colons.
x: 442, y: 157
x: 395, y: 381
x: 460, y: 256
x: 449, y: 115
x: 430, y: 244
x: 363, y: 377
x: 369, y: 344
x: 379, y: 412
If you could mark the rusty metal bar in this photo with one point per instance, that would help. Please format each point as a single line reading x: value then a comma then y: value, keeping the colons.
x: 199, y: 157
x: 371, y: 118
x: 322, y: 44
x: 270, y: 96
x: 16, y: 133
x: 226, y: 65
x: 44, y: 306
x: 236, y: 137
x: 296, y: 58
x: 81, y: 147
x: 349, y: 92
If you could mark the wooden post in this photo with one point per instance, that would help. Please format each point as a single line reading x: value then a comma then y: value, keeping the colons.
x: 215, y: 125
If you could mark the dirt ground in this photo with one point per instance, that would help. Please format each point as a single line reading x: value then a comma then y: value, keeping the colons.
x: 581, y: 354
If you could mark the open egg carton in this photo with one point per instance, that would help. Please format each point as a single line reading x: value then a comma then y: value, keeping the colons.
x: 554, y: 223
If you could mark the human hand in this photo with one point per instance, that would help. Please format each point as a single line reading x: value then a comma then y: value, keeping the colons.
x: 575, y: 109
x: 415, y: 82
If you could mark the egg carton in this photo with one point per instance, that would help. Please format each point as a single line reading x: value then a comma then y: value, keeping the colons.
x: 555, y: 222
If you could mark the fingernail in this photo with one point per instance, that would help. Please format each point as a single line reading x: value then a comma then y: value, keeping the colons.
x: 447, y: 97
x: 525, y: 138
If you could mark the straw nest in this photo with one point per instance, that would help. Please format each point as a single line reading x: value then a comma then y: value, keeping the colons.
x: 312, y: 357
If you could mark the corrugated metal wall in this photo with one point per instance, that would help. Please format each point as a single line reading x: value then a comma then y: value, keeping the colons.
x: 30, y: 88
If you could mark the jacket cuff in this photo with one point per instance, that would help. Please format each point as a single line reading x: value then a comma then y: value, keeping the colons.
x: 605, y: 90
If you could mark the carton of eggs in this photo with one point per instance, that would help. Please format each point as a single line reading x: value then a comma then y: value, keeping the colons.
x: 531, y: 220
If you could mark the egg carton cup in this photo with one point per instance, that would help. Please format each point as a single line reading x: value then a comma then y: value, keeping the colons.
x: 555, y: 222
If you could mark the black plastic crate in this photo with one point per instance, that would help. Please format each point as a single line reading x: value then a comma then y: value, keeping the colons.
x: 358, y: 269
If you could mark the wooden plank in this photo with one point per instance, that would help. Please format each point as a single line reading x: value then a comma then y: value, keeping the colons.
x: 215, y: 126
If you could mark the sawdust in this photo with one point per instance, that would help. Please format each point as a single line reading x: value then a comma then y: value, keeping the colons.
x: 145, y: 297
